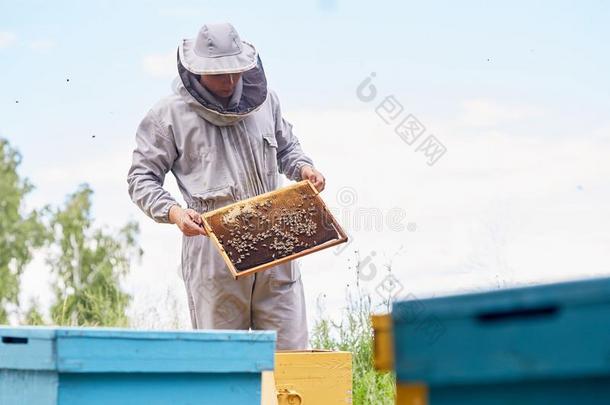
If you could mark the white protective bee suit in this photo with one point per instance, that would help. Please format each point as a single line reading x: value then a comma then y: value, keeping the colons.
x: 219, y: 155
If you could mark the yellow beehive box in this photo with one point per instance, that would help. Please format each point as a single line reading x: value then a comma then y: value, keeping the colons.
x: 383, y: 342
x: 315, y: 377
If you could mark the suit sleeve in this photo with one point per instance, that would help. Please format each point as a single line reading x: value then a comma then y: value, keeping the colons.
x: 152, y: 158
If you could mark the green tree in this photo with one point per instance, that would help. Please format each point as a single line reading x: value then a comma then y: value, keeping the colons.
x: 21, y: 231
x: 88, y: 265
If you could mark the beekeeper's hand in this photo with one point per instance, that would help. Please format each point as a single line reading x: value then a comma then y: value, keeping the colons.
x: 188, y: 220
x: 311, y: 174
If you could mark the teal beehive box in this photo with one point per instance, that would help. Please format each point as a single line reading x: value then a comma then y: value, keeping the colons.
x: 69, y: 366
x: 547, y: 344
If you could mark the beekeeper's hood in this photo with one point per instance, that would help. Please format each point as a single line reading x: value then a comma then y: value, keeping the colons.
x: 219, y: 50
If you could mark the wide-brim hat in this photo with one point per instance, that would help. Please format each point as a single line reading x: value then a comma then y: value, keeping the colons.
x: 217, y: 49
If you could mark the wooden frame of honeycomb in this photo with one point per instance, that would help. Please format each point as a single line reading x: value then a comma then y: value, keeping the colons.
x: 255, y: 234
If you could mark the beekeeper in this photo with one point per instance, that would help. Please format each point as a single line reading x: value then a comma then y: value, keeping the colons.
x: 222, y: 135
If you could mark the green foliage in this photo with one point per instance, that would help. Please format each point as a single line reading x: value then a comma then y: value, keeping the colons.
x: 20, y: 231
x: 33, y: 316
x: 355, y: 334
x: 88, y: 265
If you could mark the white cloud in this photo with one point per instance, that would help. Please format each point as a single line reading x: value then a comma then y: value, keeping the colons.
x: 7, y: 39
x: 487, y: 112
x: 42, y: 45
x: 494, y: 211
x: 602, y: 132
x: 160, y: 65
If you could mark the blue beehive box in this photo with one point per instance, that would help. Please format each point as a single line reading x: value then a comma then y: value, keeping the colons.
x: 548, y: 344
x: 66, y: 366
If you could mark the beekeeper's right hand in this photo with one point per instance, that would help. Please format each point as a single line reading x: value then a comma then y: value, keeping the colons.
x: 188, y: 220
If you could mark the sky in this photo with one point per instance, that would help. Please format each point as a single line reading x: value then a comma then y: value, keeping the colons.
x: 517, y: 94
